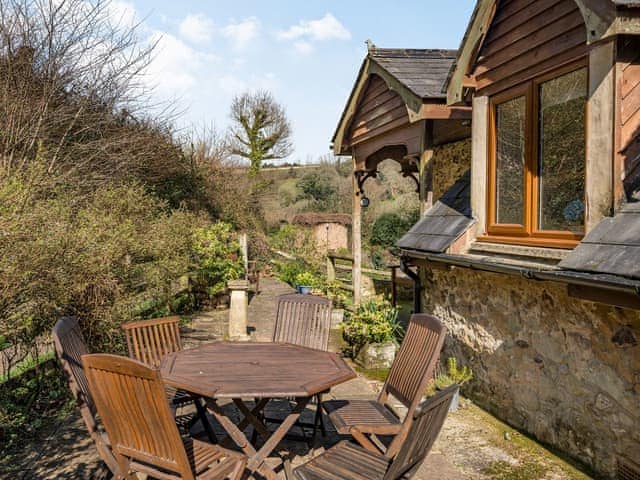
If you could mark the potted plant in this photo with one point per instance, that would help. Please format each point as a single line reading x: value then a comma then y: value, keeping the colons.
x: 305, y: 282
x: 372, y: 332
x: 454, y: 374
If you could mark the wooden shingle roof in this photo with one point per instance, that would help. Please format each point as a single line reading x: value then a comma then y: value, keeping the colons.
x: 612, y: 247
x: 423, y: 71
x: 443, y: 223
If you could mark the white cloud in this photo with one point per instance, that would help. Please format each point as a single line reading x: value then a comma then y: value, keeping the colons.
x: 304, y: 48
x: 325, y: 28
x: 242, y: 33
x: 122, y: 13
x: 197, y: 28
x: 176, y: 67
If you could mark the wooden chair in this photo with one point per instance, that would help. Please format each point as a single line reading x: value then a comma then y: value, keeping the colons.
x: 131, y: 401
x: 351, y: 462
x: 412, y: 368
x: 70, y: 346
x: 305, y: 320
x: 148, y: 341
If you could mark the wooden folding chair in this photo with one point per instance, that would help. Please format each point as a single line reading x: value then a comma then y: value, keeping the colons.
x: 131, y: 400
x: 70, y: 346
x: 412, y: 368
x: 347, y: 461
x: 305, y: 320
x: 148, y: 341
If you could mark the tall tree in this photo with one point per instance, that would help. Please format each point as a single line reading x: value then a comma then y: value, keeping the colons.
x: 259, y: 129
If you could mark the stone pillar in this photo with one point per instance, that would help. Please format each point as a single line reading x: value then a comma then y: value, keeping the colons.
x: 356, y: 232
x: 239, y: 310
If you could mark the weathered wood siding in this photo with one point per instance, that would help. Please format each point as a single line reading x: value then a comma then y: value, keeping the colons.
x: 380, y: 110
x: 628, y: 114
x: 528, y: 38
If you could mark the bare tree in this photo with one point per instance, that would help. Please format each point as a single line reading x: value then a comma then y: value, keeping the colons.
x: 73, y: 99
x: 260, y: 129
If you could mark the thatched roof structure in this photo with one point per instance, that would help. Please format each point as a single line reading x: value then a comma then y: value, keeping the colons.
x: 311, y: 219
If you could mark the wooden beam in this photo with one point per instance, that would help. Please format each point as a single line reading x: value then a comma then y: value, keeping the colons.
x: 440, y: 111
x: 471, y: 44
x: 605, y: 296
x: 426, y: 168
x: 356, y: 240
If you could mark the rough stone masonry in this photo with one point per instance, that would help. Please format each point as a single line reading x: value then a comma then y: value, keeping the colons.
x: 544, y: 362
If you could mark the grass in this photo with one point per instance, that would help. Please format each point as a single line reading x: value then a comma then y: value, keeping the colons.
x: 534, y: 459
x: 30, y: 405
x: 379, y: 374
x: 25, y: 365
x: 523, y: 471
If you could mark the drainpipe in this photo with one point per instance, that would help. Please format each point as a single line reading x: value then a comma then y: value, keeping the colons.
x: 417, y: 286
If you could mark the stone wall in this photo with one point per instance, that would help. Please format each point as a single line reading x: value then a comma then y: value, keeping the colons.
x: 450, y: 161
x: 330, y: 236
x: 544, y: 362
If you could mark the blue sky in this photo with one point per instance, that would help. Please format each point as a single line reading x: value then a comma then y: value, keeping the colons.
x: 306, y: 53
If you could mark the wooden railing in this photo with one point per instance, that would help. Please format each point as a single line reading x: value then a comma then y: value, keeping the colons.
x: 339, y: 269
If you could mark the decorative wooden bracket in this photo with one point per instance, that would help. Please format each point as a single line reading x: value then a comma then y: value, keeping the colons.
x: 361, y: 177
x: 414, y: 176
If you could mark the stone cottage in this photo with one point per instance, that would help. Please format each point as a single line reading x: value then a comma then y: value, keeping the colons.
x: 532, y: 258
x: 330, y: 230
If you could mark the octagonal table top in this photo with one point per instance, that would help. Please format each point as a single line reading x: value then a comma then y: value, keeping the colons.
x: 256, y: 370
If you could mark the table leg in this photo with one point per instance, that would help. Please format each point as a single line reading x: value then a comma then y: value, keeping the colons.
x: 276, y: 437
x: 251, y: 418
x: 257, y: 458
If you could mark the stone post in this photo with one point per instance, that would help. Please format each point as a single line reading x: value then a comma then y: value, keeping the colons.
x: 238, y: 312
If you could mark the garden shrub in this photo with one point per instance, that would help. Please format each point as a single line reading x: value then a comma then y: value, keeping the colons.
x: 389, y: 227
x: 100, y: 259
x: 219, y: 258
x: 375, y: 320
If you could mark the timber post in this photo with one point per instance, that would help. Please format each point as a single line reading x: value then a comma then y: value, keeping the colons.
x: 356, y: 223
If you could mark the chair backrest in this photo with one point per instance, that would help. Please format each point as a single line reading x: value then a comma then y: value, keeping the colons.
x: 303, y: 320
x: 425, y: 426
x: 415, y: 361
x: 70, y: 346
x: 150, y: 340
x: 131, y: 400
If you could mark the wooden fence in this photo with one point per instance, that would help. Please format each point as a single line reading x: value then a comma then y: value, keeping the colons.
x: 339, y: 268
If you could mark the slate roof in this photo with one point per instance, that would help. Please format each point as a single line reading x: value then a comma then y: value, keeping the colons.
x: 627, y: 3
x: 612, y: 247
x: 443, y: 223
x: 423, y: 71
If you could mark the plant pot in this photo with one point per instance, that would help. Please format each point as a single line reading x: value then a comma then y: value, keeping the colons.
x: 304, y: 289
x: 375, y: 356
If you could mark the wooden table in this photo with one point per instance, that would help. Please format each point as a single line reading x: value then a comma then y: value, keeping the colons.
x: 256, y: 371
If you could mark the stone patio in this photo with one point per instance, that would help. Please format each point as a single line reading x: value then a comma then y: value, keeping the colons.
x: 472, y: 445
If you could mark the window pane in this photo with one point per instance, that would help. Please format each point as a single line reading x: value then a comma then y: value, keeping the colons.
x: 510, y: 145
x: 561, y: 161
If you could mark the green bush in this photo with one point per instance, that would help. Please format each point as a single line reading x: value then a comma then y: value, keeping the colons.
x: 219, y: 258
x: 374, y: 321
x: 101, y: 259
x: 289, y: 271
x: 389, y: 227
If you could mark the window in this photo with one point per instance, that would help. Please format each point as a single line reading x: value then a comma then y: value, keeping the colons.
x: 537, y: 161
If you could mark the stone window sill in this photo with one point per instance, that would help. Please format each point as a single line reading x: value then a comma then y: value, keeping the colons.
x: 542, y: 255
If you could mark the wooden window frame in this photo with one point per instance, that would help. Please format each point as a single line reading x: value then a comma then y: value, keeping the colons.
x: 528, y: 232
